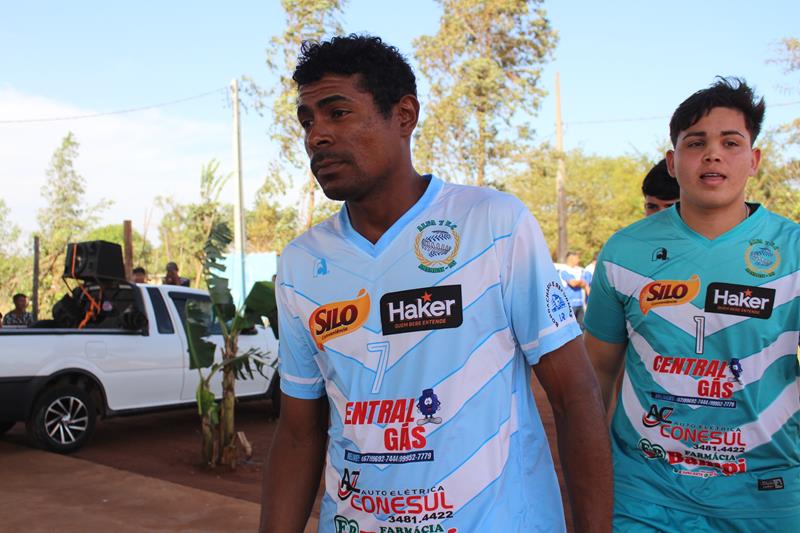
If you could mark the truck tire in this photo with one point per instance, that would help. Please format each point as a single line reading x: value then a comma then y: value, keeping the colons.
x: 62, y: 419
x: 5, y: 426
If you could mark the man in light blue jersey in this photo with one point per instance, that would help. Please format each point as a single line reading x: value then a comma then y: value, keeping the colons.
x: 419, y: 311
x: 701, y: 302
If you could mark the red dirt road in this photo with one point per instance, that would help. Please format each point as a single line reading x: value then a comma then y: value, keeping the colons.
x: 167, y: 446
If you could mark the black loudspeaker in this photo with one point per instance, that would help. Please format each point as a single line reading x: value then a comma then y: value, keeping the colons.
x: 94, y: 260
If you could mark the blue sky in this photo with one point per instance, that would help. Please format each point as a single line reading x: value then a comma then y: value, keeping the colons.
x: 617, y: 60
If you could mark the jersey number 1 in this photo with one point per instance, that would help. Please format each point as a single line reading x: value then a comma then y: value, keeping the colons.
x: 700, y: 333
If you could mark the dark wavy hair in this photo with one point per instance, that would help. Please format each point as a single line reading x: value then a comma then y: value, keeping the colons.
x: 733, y: 93
x: 383, y: 70
x: 660, y: 184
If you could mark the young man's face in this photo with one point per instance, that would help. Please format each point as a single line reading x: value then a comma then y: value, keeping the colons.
x: 713, y: 159
x: 653, y: 204
x: 20, y: 304
x: 573, y: 260
x: 351, y: 146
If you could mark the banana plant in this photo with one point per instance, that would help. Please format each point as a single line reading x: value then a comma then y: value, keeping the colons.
x: 217, y: 420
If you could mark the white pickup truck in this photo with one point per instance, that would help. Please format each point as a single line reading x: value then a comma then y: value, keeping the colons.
x: 60, y: 380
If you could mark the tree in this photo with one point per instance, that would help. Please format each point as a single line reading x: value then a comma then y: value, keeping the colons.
x: 219, y: 447
x: 305, y: 20
x: 65, y: 218
x: 184, y: 227
x: 603, y: 195
x: 484, y: 66
x: 142, y: 248
x: 15, y: 269
x: 270, y: 225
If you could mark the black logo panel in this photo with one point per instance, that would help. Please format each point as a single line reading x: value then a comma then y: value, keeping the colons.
x: 740, y: 300
x: 421, y: 309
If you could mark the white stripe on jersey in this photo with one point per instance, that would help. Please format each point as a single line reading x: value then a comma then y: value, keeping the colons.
x: 753, y: 366
x: 754, y: 434
x: 682, y: 316
x: 482, y: 366
x: 296, y: 379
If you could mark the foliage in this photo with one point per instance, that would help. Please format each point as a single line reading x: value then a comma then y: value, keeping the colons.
x: 603, y: 195
x: 777, y: 183
x: 15, y: 268
x: 65, y: 218
x: 184, y: 227
x: 142, y: 248
x: 217, y: 420
x: 484, y: 65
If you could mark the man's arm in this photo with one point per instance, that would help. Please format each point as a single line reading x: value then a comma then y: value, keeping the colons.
x: 294, y: 466
x: 607, y: 359
x: 567, y: 378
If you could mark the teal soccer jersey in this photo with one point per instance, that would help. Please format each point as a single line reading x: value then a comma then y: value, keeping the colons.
x: 708, y: 412
x: 423, y: 344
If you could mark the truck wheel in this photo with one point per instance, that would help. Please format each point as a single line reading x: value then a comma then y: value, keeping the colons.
x: 5, y: 426
x: 275, y: 395
x: 62, y: 419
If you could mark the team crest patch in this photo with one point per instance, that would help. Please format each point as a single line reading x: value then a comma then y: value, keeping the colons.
x: 762, y: 258
x: 436, y: 245
x: 558, y: 308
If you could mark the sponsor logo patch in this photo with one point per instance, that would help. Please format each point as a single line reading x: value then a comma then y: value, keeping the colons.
x: 650, y: 450
x: 662, y: 293
x: 740, y: 300
x: 557, y: 303
x: 762, y: 258
x: 659, y: 254
x: 421, y: 309
x: 436, y: 245
x: 342, y: 524
x: 338, y: 318
x: 775, y: 483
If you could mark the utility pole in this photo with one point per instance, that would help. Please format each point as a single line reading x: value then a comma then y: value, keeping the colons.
x: 239, y: 237
x: 561, y: 202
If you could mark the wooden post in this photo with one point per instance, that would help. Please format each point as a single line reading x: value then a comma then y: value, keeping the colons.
x: 35, y: 285
x: 561, y: 202
x: 127, y: 235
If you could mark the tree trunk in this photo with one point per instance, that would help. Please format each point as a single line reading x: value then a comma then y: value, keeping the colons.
x: 227, y: 431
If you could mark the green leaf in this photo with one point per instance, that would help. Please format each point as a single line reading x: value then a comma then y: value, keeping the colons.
x: 259, y: 302
x: 197, y: 324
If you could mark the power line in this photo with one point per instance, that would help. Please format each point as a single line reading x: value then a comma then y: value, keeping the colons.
x: 119, y: 112
x: 643, y: 119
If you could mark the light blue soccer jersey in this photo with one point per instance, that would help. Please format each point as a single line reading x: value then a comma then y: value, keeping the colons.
x: 423, y: 343
x: 708, y: 416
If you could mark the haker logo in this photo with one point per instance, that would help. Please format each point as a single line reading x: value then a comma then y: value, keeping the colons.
x: 740, y: 300
x: 338, y: 318
x: 661, y: 293
x: 421, y: 309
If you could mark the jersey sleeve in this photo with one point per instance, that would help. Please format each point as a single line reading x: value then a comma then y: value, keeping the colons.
x: 299, y: 371
x: 533, y: 296
x: 605, y: 316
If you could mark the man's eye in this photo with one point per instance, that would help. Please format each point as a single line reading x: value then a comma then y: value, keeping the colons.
x: 695, y: 144
x: 338, y: 113
x: 731, y: 143
x: 305, y: 124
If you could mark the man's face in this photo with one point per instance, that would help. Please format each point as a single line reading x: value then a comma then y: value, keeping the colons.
x: 713, y: 159
x: 653, y: 204
x: 573, y: 260
x: 20, y: 304
x: 351, y: 146
x: 138, y: 277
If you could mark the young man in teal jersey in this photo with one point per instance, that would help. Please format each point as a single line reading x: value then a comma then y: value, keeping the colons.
x: 701, y: 302
x: 405, y: 361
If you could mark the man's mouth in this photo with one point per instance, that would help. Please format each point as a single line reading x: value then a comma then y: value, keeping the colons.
x: 713, y: 177
x: 321, y: 164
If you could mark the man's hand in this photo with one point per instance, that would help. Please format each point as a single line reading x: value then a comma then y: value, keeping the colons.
x: 567, y: 377
x: 294, y: 466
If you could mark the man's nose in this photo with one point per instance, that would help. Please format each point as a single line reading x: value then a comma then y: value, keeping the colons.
x: 712, y: 154
x: 319, y: 135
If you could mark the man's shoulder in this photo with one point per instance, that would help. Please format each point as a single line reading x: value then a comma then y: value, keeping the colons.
x: 480, y: 196
x: 316, y: 237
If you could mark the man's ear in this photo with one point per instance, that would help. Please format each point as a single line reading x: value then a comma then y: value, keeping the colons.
x: 407, y: 114
x: 755, y: 161
x: 670, y: 157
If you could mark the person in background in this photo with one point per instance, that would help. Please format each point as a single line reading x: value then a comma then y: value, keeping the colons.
x: 172, y: 277
x: 19, y: 316
x: 572, y: 276
x: 660, y: 190
x: 139, y: 275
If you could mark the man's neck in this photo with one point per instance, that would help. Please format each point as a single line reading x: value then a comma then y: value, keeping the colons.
x: 372, y: 216
x: 711, y: 223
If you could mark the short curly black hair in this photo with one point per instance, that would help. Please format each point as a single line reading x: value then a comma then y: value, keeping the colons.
x: 732, y: 93
x: 384, y: 71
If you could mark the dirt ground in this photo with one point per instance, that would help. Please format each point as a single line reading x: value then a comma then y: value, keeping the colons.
x: 166, y: 446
